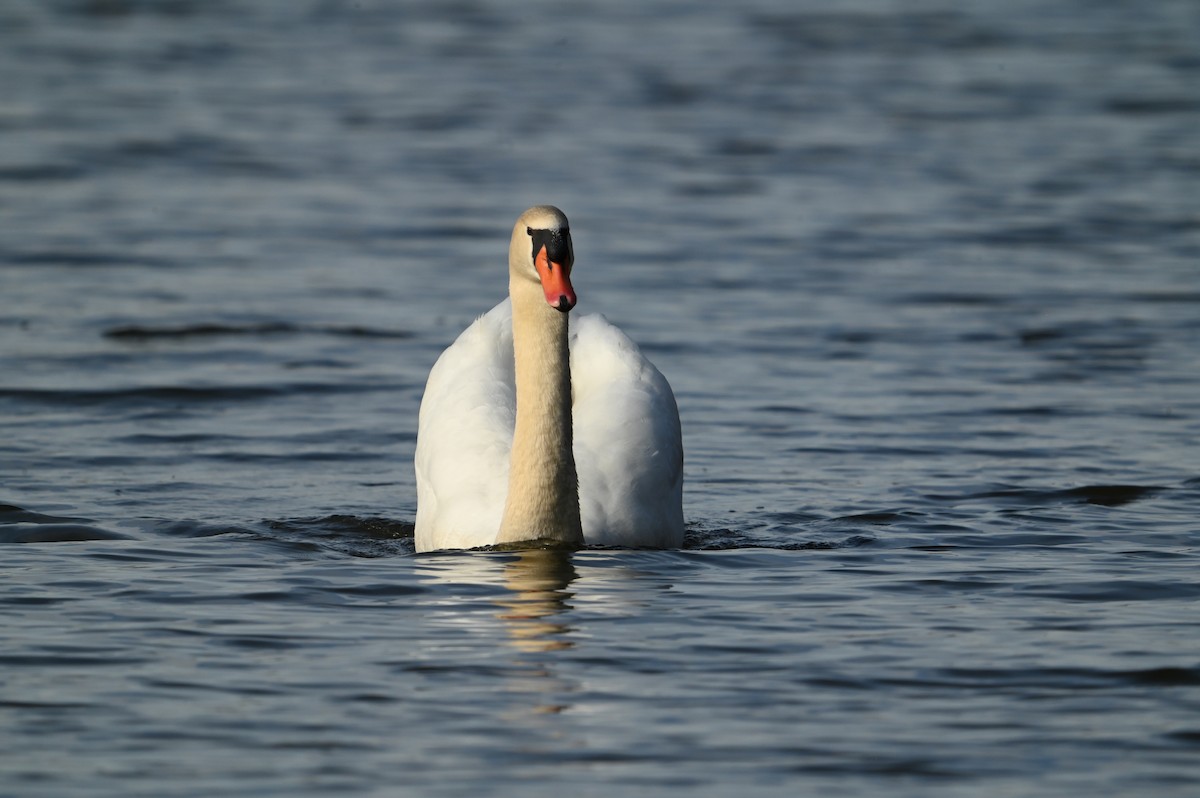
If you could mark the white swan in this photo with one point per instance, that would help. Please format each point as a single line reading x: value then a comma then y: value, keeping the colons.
x: 529, y: 432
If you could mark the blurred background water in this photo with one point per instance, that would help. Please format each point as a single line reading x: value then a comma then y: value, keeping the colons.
x: 922, y: 274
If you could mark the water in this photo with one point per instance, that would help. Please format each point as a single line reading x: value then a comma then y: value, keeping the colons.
x: 923, y: 276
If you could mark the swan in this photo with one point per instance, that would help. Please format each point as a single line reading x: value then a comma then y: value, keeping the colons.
x: 533, y: 431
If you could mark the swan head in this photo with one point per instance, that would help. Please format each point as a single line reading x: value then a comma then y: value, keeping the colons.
x: 541, y: 251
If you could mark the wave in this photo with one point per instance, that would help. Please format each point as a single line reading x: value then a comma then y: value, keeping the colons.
x: 18, y: 525
x: 139, y: 333
x: 181, y: 394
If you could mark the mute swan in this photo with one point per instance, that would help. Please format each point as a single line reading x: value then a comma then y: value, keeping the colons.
x: 530, y: 432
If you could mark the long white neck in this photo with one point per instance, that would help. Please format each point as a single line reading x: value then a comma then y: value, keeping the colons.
x: 543, y: 489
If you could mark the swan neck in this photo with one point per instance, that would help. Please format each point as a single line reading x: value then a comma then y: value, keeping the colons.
x: 543, y: 491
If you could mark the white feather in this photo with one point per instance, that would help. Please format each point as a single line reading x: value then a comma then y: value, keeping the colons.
x: 626, y: 439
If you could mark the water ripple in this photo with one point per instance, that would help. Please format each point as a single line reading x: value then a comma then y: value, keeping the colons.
x: 923, y: 280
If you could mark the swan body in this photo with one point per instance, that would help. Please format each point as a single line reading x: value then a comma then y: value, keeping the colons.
x: 533, y: 430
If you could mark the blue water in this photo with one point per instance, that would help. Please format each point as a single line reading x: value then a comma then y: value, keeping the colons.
x: 925, y: 278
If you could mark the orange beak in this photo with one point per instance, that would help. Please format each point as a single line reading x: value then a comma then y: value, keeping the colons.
x: 556, y: 282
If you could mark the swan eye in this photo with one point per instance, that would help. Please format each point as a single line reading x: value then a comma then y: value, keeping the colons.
x: 557, y: 244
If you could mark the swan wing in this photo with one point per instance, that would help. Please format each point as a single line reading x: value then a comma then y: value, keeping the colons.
x: 464, y: 436
x: 627, y: 441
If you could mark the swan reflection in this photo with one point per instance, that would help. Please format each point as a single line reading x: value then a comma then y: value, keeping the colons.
x: 538, y: 580
x: 511, y: 620
x: 530, y: 594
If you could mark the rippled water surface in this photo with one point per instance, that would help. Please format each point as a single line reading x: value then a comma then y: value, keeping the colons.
x: 925, y: 277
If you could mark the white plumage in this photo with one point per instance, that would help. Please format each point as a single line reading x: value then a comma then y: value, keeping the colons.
x: 625, y: 434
